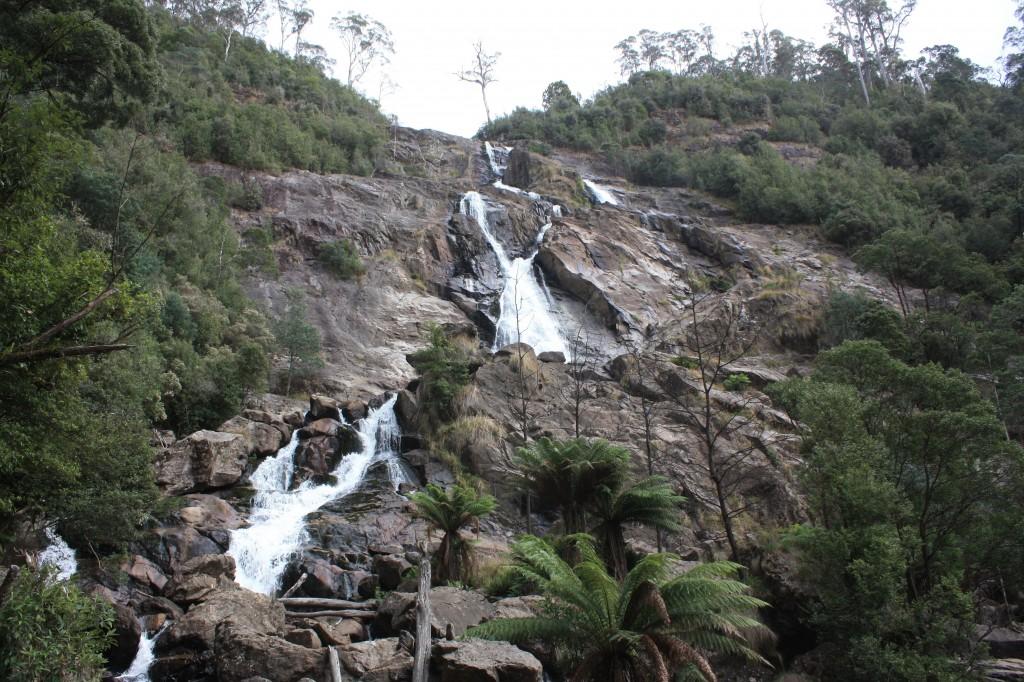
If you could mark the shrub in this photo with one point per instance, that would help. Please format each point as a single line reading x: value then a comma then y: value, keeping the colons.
x: 736, y: 382
x: 444, y: 370
x: 50, y: 630
x: 341, y: 259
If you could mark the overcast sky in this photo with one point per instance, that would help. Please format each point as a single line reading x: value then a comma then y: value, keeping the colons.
x: 572, y: 40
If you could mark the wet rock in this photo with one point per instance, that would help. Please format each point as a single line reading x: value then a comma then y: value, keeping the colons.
x: 325, y: 426
x: 354, y: 410
x: 260, y: 439
x: 203, y: 461
x: 478, y: 660
x: 315, y: 459
x: 556, y: 356
x: 242, y: 653
x: 407, y: 410
x: 127, y: 630
x: 378, y: 661
x: 321, y: 406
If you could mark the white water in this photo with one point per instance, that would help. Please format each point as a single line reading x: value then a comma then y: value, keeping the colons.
x: 525, y: 311
x: 59, y: 555
x: 601, y: 195
x: 277, y: 520
x: 138, y: 671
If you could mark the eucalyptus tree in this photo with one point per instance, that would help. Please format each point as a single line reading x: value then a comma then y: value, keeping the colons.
x: 481, y: 72
x: 365, y: 42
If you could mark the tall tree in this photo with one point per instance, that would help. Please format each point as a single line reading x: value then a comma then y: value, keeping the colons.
x: 299, y: 340
x: 365, y: 41
x: 481, y: 72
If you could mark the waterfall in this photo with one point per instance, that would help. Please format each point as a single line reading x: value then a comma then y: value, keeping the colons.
x: 600, y: 195
x: 525, y: 314
x: 277, y: 520
x: 138, y: 671
x: 497, y: 157
x: 59, y: 555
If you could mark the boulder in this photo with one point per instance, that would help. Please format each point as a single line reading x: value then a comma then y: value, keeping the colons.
x: 304, y: 637
x: 203, y: 461
x: 555, y: 356
x: 199, y: 577
x: 462, y: 609
x: 315, y: 459
x: 209, y: 512
x: 341, y: 632
x: 145, y: 572
x: 378, y: 660
x: 127, y: 630
x: 241, y: 653
x: 478, y: 660
x: 407, y: 410
x: 354, y: 410
x: 321, y: 406
x: 261, y: 439
x: 175, y: 545
x: 389, y: 569
x: 1002, y: 642
x: 250, y: 611
x: 325, y: 426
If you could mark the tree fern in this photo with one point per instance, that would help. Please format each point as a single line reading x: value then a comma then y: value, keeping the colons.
x: 650, y: 502
x: 651, y: 625
x: 449, y: 511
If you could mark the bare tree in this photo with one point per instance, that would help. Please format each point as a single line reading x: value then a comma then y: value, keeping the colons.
x: 366, y: 42
x: 481, y: 72
x: 715, y: 338
x: 579, y: 369
x: 252, y: 16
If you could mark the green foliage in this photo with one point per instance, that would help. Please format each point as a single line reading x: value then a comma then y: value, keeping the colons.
x: 260, y: 109
x: 649, y: 626
x: 341, y: 258
x: 572, y: 474
x: 650, y: 502
x: 49, y: 629
x: 449, y: 511
x: 444, y: 370
x: 906, y: 470
x: 856, y: 316
x: 736, y: 382
x: 297, y: 339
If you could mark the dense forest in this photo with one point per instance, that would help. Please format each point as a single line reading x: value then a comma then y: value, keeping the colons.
x: 124, y: 313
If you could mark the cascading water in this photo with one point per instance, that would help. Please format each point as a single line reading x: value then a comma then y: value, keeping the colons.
x: 277, y: 520
x: 138, y: 671
x: 525, y: 315
x: 600, y: 194
x: 58, y: 555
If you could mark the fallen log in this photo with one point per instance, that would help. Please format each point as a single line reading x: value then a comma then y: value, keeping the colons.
x: 339, y: 613
x: 314, y: 602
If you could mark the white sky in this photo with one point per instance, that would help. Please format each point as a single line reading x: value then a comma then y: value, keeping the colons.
x: 573, y: 40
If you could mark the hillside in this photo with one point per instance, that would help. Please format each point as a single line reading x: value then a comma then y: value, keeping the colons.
x: 716, y: 373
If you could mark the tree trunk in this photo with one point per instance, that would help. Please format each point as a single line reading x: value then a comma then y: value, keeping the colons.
x: 487, y: 109
x: 421, y: 659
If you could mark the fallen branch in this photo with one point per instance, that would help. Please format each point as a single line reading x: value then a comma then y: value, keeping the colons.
x: 332, y: 656
x: 67, y: 352
x: 341, y: 613
x: 298, y: 583
x: 311, y: 602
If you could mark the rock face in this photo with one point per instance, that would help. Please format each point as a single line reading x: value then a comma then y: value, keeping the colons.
x: 449, y: 606
x: 261, y: 439
x: 381, y: 660
x: 478, y: 660
x: 205, y: 460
